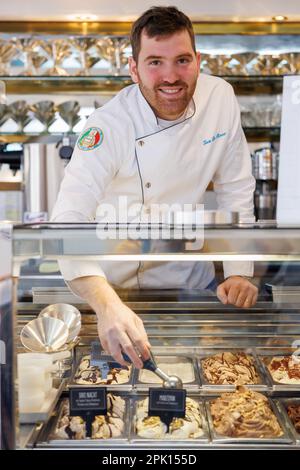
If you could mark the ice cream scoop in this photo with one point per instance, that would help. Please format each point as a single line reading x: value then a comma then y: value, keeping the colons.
x: 169, y: 381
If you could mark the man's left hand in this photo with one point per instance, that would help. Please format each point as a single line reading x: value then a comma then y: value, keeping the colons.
x: 238, y: 291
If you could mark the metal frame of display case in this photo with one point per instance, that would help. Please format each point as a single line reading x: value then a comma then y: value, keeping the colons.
x: 8, y: 418
x: 242, y: 242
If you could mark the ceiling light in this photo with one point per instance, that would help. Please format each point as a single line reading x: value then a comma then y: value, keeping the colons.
x: 86, y: 17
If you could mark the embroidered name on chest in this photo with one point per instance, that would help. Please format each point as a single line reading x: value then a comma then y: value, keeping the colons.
x: 215, y: 137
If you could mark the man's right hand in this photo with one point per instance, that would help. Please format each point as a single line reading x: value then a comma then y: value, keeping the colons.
x: 120, y: 329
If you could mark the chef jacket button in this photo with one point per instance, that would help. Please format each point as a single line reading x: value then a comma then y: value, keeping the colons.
x: 147, y: 210
x: 148, y: 185
x: 141, y: 143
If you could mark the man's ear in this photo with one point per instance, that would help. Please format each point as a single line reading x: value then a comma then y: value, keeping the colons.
x: 133, y: 69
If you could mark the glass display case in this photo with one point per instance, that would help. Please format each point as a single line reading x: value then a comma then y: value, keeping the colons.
x: 214, y: 348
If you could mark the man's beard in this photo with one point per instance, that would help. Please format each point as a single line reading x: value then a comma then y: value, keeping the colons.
x: 171, y: 108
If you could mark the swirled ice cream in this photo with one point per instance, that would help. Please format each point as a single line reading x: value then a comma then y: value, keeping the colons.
x: 151, y: 427
x: 244, y: 413
x: 103, y: 427
x: 91, y: 375
x: 228, y: 368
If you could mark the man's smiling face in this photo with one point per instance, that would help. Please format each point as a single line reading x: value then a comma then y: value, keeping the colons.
x: 166, y: 71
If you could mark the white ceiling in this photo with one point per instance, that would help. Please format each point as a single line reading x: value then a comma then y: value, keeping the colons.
x: 128, y: 10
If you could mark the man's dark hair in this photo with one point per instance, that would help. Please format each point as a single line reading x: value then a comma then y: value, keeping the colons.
x: 159, y: 21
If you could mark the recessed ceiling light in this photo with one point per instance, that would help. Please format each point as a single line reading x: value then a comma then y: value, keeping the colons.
x: 86, y: 17
x: 279, y: 18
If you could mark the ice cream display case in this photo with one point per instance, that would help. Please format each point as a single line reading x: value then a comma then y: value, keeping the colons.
x: 239, y: 367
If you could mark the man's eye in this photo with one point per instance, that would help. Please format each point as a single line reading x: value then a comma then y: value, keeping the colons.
x: 155, y: 62
x: 183, y: 60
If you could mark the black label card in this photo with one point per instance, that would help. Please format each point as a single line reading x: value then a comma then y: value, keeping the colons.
x: 88, y: 402
x: 167, y: 403
x: 85, y: 399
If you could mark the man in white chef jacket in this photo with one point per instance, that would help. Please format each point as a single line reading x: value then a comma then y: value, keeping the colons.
x: 159, y: 141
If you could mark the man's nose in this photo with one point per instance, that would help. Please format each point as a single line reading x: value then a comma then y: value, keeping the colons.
x: 170, y: 74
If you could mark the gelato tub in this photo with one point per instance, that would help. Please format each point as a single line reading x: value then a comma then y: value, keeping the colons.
x: 245, y: 416
x: 193, y: 427
x: 224, y: 370
x: 184, y: 367
x: 66, y: 430
x: 119, y: 378
x: 281, y: 370
x: 284, y: 369
x: 291, y: 407
x: 293, y: 412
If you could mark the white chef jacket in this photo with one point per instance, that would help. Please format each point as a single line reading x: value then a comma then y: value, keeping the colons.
x: 154, y: 165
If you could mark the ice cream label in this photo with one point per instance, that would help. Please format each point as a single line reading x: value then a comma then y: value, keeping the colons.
x: 88, y: 402
x: 167, y: 403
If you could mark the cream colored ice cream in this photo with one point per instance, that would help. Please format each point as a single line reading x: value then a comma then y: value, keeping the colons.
x: 244, y: 413
x: 182, y: 368
x: 228, y: 368
x: 91, y: 375
x: 285, y: 369
x: 151, y: 427
x: 103, y: 427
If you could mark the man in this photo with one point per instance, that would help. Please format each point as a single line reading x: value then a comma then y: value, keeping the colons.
x: 161, y: 140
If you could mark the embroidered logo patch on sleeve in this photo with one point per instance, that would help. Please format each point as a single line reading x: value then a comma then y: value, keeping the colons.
x: 90, y: 139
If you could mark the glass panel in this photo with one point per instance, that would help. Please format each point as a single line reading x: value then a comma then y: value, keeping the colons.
x: 98, y: 241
